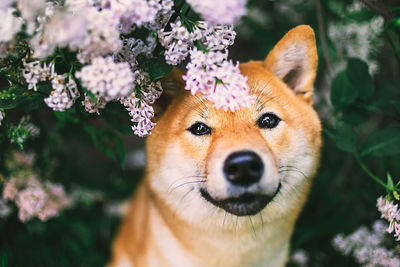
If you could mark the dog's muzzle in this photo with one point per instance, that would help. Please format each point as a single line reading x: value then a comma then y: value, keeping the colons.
x: 242, y: 169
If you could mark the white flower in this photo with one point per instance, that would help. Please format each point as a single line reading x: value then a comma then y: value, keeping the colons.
x: 102, y: 36
x: 9, y: 25
x: 133, y: 47
x: 64, y: 93
x: 10, y: 189
x: 30, y: 9
x: 357, y: 39
x: 4, y: 4
x: 5, y: 210
x: 30, y: 202
x: 107, y: 79
x: 390, y: 212
x: 215, y: 37
x: 139, y: 12
x: 177, y: 43
x: 35, y: 72
x: 66, y: 29
x: 219, y: 12
x: 300, y: 257
x: 218, y: 79
x: 151, y: 92
x: 367, y: 247
x: 56, y: 200
x: 164, y: 14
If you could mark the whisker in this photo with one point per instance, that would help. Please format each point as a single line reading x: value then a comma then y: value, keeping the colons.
x: 223, y: 222
x: 236, y: 226
x: 186, y: 177
x: 305, y: 176
x: 191, y: 182
x: 262, y: 220
x: 252, y: 226
x: 288, y: 169
x: 187, y: 193
x: 288, y: 166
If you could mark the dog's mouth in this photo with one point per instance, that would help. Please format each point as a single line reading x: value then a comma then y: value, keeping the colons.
x: 242, y: 205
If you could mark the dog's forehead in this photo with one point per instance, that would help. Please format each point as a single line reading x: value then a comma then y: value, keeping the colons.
x: 269, y: 91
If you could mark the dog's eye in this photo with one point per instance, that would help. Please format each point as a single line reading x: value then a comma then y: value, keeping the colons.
x: 268, y: 121
x: 199, y: 128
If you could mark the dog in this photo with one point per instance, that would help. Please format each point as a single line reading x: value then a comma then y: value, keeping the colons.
x: 225, y: 188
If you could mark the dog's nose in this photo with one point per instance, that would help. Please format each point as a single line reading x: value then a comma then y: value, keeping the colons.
x: 243, y: 168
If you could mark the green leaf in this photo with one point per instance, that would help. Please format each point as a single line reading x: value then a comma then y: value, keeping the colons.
x: 357, y: 72
x: 389, y: 182
x: 395, y: 24
x: 157, y: 68
x: 396, y: 104
x: 67, y: 116
x: 382, y: 143
x: 344, y: 137
x: 7, y: 103
x: 355, y: 116
x: 109, y: 143
x: 117, y: 117
x: 343, y: 93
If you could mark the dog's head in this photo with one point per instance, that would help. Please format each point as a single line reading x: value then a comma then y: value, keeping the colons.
x: 205, y: 163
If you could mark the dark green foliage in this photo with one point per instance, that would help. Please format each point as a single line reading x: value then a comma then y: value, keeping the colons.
x: 343, y: 92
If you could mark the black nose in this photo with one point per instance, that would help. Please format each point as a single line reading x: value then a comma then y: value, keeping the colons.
x: 243, y: 168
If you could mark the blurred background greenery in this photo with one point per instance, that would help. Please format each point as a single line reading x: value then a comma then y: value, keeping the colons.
x: 357, y: 94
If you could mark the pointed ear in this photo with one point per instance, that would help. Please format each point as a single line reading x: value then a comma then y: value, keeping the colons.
x: 294, y: 60
x: 172, y: 85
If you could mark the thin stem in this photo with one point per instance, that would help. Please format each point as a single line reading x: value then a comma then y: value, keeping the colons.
x: 321, y: 27
x: 381, y: 10
x: 370, y: 174
x: 389, y: 38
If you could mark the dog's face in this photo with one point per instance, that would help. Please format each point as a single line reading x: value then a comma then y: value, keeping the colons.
x: 205, y: 163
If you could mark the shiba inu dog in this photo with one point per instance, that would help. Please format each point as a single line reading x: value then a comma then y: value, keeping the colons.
x: 225, y: 188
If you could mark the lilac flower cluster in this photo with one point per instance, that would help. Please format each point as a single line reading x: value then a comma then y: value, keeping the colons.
x: 209, y: 73
x: 140, y: 109
x: 218, y: 79
x: 102, y: 36
x: 219, y: 12
x: 107, y: 79
x: 65, y: 90
x: 64, y: 94
x: 33, y: 197
x: 141, y: 114
x: 99, y: 32
x: 390, y: 212
x: 367, y: 247
x: 177, y: 43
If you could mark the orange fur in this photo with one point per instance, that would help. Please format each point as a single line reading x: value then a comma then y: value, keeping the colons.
x: 170, y: 224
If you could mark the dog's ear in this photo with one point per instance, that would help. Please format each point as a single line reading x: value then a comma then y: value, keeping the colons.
x: 294, y: 60
x: 172, y: 85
